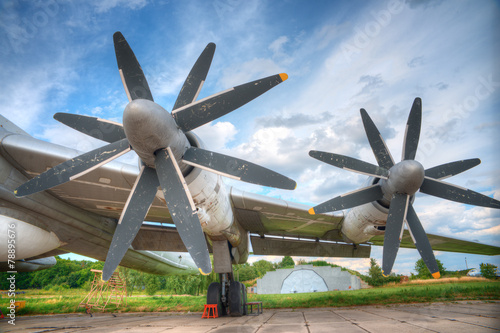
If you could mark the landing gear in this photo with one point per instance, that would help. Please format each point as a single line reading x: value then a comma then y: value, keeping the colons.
x: 237, y: 299
x: 214, y: 297
x: 230, y: 296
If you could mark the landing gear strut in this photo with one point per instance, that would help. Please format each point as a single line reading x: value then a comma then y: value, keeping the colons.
x: 229, y: 295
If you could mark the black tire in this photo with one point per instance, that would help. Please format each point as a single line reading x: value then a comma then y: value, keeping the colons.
x: 244, y: 301
x: 213, y: 296
x: 236, y: 299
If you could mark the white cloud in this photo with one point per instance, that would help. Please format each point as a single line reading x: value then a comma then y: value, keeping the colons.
x: 27, y: 98
x: 216, y: 136
x: 106, y: 5
x: 248, y: 71
x: 277, y: 46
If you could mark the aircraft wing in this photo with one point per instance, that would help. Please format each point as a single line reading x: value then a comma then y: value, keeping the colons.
x: 96, y: 199
x: 103, y: 191
x: 279, y: 227
x: 447, y: 244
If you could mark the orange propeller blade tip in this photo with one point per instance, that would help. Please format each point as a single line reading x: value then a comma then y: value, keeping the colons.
x: 311, y: 211
x: 283, y: 76
x: 436, y: 275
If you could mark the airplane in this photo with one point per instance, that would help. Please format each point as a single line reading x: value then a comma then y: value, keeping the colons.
x: 57, y: 200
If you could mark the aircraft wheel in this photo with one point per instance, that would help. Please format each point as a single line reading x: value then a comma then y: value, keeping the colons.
x: 244, y: 293
x: 236, y: 299
x: 213, y: 297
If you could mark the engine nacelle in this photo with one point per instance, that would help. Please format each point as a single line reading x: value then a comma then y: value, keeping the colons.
x: 363, y: 222
x: 29, y: 265
x: 21, y: 240
x: 214, y: 208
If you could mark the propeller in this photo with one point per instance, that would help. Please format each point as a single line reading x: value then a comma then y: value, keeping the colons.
x: 165, y: 152
x: 395, y: 185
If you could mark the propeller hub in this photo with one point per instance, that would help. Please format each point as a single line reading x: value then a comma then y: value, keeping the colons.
x: 149, y: 128
x: 405, y: 177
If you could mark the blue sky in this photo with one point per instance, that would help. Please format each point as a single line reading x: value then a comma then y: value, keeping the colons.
x: 58, y: 56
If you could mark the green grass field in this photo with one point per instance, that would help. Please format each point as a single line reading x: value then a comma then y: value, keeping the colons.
x: 67, y: 301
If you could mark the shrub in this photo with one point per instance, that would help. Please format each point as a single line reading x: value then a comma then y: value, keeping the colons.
x: 488, y: 270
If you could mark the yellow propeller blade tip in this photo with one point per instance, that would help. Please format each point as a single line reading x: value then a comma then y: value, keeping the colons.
x: 385, y: 275
x: 203, y: 273
x: 311, y: 211
x: 436, y: 275
x: 283, y: 76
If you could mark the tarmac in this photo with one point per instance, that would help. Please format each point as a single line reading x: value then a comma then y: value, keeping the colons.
x: 466, y: 316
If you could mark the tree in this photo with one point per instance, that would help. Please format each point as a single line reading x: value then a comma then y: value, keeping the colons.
x: 263, y: 266
x: 247, y: 273
x: 375, y: 273
x: 422, y: 270
x: 152, y: 283
x: 488, y: 270
x: 287, y: 262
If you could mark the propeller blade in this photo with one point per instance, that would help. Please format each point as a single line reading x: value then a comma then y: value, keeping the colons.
x: 182, y: 209
x: 137, y: 206
x: 205, y: 110
x: 451, y: 192
x: 73, y: 168
x: 101, y: 129
x: 394, y: 230
x: 412, y: 133
x: 421, y: 241
x: 451, y: 169
x: 349, y: 200
x: 131, y: 73
x: 351, y: 164
x: 196, y: 78
x: 235, y: 168
x: 379, y: 148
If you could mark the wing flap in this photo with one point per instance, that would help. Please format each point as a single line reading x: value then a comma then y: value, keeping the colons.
x: 296, y: 247
x: 158, y: 238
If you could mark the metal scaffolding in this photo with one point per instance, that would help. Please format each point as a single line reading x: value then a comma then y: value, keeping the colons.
x: 103, y: 293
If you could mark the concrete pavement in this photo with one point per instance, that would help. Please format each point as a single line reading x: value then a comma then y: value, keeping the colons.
x: 474, y: 316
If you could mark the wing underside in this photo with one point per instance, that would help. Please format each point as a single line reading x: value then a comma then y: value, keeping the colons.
x: 279, y: 227
x: 276, y: 227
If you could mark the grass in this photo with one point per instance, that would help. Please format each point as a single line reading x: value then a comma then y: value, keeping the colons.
x: 67, y: 301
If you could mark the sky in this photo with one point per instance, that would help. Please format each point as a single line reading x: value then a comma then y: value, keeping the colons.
x: 340, y: 56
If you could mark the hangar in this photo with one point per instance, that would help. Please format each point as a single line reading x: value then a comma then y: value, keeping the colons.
x: 307, y: 279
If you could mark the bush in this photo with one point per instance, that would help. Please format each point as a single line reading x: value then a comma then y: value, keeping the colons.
x: 488, y: 270
x: 424, y: 273
x: 152, y: 283
x: 375, y: 277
